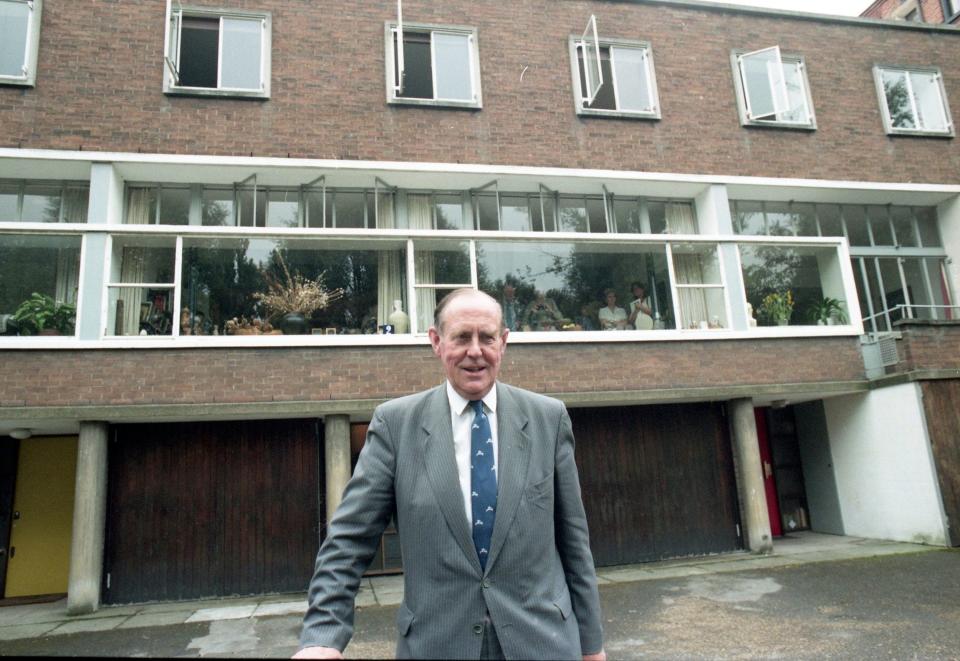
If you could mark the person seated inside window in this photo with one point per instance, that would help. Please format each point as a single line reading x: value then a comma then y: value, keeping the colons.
x: 641, y: 314
x: 512, y: 309
x: 542, y: 314
x: 588, y: 316
x: 612, y: 316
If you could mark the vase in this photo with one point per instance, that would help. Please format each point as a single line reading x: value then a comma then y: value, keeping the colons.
x: 783, y: 322
x: 398, y: 318
x: 294, y: 323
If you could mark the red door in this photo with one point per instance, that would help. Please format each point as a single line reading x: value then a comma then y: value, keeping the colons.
x: 766, y: 461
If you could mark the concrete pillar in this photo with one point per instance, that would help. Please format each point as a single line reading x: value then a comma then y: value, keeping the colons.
x: 336, y: 433
x: 89, y: 519
x: 746, y: 456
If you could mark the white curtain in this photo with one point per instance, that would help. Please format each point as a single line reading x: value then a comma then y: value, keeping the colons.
x: 132, y: 264
x: 75, y: 205
x: 693, y: 301
x: 68, y: 275
x: 420, y: 214
x: 389, y: 264
x: 680, y: 218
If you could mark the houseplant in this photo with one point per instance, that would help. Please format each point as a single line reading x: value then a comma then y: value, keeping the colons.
x: 42, y: 315
x: 827, y: 311
x: 294, y: 298
x: 778, y: 307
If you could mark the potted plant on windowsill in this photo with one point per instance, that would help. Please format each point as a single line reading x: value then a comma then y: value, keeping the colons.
x: 827, y: 312
x: 42, y: 315
x: 777, y: 307
x: 294, y: 298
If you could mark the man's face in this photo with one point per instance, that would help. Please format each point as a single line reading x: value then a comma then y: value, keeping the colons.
x: 470, y: 345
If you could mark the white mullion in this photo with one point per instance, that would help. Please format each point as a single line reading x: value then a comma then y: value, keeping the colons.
x: 723, y: 286
x: 861, y: 264
x: 177, y: 287
x: 929, y: 285
x: 613, y: 77
x: 433, y: 65
x: 906, y: 290
x: 263, y: 53
x: 649, y: 78
x: 913, y: 101
x: 220, y: 59
x: 412, y: 290
x: 746, y: 88
x: 474, y: 280
x: 674, y: 291
x: 105, y: 291
x: 24, y: 63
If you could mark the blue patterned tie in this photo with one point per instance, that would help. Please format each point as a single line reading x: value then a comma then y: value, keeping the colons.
x: 483, y: 482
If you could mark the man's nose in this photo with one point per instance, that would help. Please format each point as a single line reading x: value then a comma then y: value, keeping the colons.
x: 473, y: 349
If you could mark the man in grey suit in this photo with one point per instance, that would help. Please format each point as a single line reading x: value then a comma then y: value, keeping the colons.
x: 494, y: 567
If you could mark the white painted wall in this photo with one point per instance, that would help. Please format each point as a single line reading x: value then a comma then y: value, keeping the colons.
x: 948, y: 214
x: 883, y: 463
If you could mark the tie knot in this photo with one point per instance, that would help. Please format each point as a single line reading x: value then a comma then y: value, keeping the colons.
x: 477, y: 406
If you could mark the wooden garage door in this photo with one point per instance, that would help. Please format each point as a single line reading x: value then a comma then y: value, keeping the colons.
x: 941, y: 404
x: 657, y: 481
x: 211, y: 509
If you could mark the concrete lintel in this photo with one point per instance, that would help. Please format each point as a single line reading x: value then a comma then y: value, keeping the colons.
x: 913, y: 376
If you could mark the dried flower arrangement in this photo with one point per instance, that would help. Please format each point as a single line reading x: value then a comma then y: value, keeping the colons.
x: 244, y: 326
x: 296, y: 293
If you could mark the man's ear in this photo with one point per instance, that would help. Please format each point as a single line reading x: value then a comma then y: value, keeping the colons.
x: 434, y: 340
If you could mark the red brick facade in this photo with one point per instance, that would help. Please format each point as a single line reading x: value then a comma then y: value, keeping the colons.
x: 928, y: 346
x: 198, y: 376
x: 931, y: 10
x: 328, y: 91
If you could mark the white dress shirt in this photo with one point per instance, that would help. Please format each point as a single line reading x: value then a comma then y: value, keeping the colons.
x: 461, y: 419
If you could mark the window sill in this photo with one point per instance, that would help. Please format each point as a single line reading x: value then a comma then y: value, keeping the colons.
x: 779, y: 125
x: 434, y: 103
x: 619, y: 114
x: 217, y: 93
x: 919, y: 134
x: 16, y: 81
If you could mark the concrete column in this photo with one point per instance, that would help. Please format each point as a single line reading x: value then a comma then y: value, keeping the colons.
x: 336, y: 433
x: 89, y: 519
x: 746, y: 456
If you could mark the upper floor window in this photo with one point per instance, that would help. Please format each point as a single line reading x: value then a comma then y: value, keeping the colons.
x: 433, y: 65
x: 772, y: 89
x: 913, y: 101
x: 43, y: 202
x: 213, y: 52
x: 613, y: 76
x: 19, y: 39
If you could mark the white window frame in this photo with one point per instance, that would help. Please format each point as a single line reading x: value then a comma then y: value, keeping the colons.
x: 392, y: 28
x: 28, y: 76
x: 582, y: 101
x: 951, y: 8
x: 171, y: 54
x: 885, y: 110
x: 743, y: 101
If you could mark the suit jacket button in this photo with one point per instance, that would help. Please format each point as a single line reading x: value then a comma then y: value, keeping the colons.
x: 486, y: 583
x: 478, y: 629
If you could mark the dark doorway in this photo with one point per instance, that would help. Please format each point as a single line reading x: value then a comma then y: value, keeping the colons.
x: 211, y: 509
x: 9, y: 450
x: 658, y: 481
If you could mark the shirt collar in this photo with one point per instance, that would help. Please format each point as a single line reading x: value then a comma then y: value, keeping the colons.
x: 459, y: 404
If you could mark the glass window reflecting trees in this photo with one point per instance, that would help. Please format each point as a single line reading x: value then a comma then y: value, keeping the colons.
x: 32, y: 264
x: 43, y: 202
x: 912, y: 101
x: 19, y: 40
x: 627, y: 82
x: 772, y: 89
x: 433, y: 65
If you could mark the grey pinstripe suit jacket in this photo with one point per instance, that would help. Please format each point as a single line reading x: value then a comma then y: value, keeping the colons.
x: 539, y: 587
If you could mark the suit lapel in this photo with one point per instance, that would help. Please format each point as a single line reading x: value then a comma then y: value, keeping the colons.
x: 441, y: 465
x: 512, y: 462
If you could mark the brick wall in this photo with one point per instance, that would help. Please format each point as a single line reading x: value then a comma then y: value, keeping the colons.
x: 196, y: 376
x: 928, y: 346
x: 931, y: 10
x: 99, y: 87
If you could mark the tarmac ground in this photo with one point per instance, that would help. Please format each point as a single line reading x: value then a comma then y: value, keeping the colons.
x: 817, y: 596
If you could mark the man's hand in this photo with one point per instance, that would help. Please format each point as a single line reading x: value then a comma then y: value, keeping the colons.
x: 599, y: 656
x: 319, y: 652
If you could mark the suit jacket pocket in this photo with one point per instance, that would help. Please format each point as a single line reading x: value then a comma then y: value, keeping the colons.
x: 405, y: 618
x: 562, y: 602
x: 541, y: 493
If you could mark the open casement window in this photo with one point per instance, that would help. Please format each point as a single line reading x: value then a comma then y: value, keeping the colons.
x: 772, y: 89
x: 913, y: 101
x: 627, y: 81
x: 19, y: 39
x: 218, y: 54
x: 433, y: 65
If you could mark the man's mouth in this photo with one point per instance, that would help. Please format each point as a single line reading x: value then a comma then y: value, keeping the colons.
x: 474, y: 369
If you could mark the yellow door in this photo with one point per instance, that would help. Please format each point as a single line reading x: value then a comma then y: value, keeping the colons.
x: 39, y: 561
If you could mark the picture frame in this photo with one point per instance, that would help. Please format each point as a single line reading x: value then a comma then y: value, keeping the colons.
x: 330, y: 331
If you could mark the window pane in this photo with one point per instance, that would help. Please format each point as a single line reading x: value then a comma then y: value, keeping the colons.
x: 893, y: 291
x: 903, y: 226
x: 199, y: 39
x: 589, y: 66
x: 748, y: 219
x: 449, y: 210
x: 657, y: 211
x: 418, y: 72
x: 452, y: 62
x: 876, y: 295
x: 349, y: 209
x: 631, y: 71
x: 605, y: 98
x: 487, y: 212
x: 926, y: 89
x: 627, y: 214
x: 597, y: 215
x: 41, y: 204
x: 917, y: 290
x: 927, y: 226
x: 762, y: 76
x: 142, y: 259
x: 855, y: 218
x: 701, y: 308
x: 174, y: 206
x: 880, y: 226
x: 805, y: 218
x: 139, y: 260
x: 314, y: 201
x: 442, y: 264
x: 781, y: 220
x: 560, y: 286
x: 29, y: 264
x: 217, y: 207
x: 898, y: 99
x: 696, y: 265
x: 572, y: 214
x: 789, y: 284
x: 514, y: 213
x: 796, y: 94
x: 9, y: 202
x: 242, y: 43
x: 829, y: 217
x: 14, y: 20
x: 941, y: 293
x: 282, y: 208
